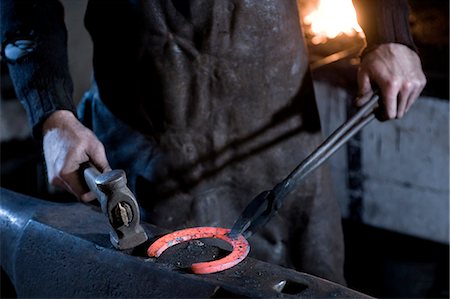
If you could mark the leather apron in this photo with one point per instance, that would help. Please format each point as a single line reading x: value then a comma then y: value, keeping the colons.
x: 207, y: 104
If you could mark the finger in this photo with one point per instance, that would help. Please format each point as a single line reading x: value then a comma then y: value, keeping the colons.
x: 97, y: 156
x: 61, y: 178
x: 56, y: 181
x: 412, y: 98
x: 389, y: 92
x: 403, y: 97
x: 420, y: 85
x: 365, y: 98
x: 88, y: 196
x: 74, y: 183
x: 364, y: 88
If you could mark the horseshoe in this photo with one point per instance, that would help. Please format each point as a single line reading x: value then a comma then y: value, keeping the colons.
x: 241, y: 248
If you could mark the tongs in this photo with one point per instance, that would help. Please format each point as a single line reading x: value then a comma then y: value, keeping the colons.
x: 261, y: 209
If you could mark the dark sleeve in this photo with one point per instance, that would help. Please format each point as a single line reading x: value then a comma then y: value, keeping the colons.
x: 34, y: 43
x: 384, y: 21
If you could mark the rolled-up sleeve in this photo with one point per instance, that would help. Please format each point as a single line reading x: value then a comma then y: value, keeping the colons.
x: 34, y: 44
x: 385, y: 21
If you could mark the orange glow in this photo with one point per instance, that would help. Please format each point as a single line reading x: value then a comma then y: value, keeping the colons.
x: 332, y: 18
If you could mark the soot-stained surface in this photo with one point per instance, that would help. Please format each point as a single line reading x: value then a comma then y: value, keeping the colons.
x: 181, y: 256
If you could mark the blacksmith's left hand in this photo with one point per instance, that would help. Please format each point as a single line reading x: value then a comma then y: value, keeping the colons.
x: 396, y: 71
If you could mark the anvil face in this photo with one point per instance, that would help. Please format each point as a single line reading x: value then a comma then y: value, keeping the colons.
x: 63, y: 250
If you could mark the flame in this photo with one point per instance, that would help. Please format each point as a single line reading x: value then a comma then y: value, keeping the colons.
x: 332, y: 18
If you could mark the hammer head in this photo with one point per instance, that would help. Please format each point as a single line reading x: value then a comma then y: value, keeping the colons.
x: 121, y: 207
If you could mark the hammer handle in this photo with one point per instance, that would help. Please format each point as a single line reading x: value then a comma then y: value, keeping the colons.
x: 90, y: 173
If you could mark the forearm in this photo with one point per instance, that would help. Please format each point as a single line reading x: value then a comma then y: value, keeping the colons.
x: 38, y: 66
x: 384, y: 21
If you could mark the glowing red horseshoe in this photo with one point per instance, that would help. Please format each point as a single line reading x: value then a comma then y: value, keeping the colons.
x: 240, y: 246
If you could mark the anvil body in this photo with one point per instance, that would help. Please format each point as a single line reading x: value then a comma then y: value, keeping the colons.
x: 51, y: 249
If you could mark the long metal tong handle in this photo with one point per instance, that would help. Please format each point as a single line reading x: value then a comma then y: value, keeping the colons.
x: 334, y: 142
x: 262, y: 208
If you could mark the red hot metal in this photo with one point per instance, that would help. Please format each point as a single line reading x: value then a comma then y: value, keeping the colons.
x: 240, y: 246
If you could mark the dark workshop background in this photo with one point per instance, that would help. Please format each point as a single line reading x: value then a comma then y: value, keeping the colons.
x: 392, y: 180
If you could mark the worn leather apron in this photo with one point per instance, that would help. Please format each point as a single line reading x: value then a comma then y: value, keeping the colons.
x: 207, y: 103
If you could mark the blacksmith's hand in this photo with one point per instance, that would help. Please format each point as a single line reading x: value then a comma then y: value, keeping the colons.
x: 68, y: 144
x: 397, y: 72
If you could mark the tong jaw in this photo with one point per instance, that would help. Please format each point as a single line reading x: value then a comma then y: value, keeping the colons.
x: 256, y: 214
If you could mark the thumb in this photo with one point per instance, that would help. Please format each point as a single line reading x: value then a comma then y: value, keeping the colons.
x: 364, y: 87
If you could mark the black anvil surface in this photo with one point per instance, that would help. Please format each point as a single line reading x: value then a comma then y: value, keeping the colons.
x: 62, y: 250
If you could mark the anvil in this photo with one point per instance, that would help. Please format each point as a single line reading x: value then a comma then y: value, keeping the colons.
x: 51, y: 249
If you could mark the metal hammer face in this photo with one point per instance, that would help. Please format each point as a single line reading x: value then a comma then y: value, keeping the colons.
x: 119, y: 205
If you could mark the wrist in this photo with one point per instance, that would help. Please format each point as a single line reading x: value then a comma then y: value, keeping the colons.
x: 58, y: 119
x: 391, y: 46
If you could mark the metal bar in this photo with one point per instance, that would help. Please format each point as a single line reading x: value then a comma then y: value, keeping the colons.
x: 334, y: 57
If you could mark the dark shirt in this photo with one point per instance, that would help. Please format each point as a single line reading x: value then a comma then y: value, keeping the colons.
x: 41, y: 76
x: 384, y: 21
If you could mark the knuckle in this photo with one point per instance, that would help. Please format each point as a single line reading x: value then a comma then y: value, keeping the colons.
x: 408, y: 85
x: 416, y: 83
x: 388, y: 88
x: 395, y: 82
x: 82, y: 143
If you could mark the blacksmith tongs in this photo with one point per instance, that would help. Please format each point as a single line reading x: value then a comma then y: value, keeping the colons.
x: 261, y: 209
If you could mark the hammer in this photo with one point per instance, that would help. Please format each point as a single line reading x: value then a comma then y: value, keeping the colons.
x: 118, y: 204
